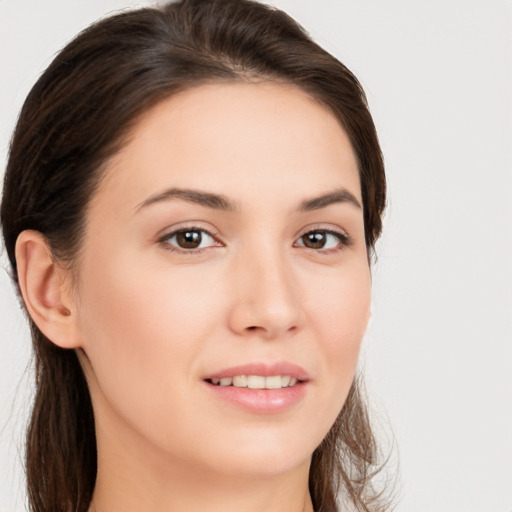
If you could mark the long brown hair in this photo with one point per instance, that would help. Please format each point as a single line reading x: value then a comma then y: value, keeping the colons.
x: 77, y: 115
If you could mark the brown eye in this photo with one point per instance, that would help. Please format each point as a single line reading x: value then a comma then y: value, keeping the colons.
x: 189, y: 239
x: 314, y: 240
x: 322, y: 239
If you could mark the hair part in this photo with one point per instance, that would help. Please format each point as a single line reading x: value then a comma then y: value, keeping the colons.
x: 78, y: 115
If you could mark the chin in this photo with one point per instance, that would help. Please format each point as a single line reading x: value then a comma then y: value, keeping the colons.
x: 265, y: 465
x: 264, y: 453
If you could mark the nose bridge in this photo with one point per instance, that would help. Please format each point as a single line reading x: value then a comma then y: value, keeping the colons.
x: 266, y: 298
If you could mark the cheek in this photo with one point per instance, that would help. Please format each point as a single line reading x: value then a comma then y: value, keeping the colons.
x: 137, y: 305
x: 142, y: 329
x: 340, y: 310
x: 340, y: 306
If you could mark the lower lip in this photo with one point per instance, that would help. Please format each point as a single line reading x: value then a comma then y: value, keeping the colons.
x: 261, y: 401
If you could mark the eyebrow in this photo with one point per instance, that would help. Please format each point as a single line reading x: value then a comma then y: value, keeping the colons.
x: 215, y: 201
x: 221, y: 202
x: 340, y: 195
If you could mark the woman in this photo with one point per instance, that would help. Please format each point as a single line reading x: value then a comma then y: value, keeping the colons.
x: 191, y: 202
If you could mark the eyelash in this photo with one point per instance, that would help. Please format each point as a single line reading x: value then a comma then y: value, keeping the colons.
x: 164, y: 240
x: 344, y: 240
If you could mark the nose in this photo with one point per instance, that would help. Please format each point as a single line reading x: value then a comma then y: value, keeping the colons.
x: 266, y: 300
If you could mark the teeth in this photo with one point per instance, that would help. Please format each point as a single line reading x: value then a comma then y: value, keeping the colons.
x: 274, y: 382
x: 240, y: 381
x: 257, y: 381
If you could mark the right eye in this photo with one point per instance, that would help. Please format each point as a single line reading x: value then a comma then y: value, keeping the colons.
x: 189, y: 240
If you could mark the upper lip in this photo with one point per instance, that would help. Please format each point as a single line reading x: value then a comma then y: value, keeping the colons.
x: 263, y: 369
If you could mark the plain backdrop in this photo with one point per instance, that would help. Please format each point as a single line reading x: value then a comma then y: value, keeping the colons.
x: 438, y: 353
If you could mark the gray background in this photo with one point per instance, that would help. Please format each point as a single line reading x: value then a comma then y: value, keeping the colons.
x: 438, y: 353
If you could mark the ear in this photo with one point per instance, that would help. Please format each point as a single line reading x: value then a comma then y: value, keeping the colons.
x: 46, y: 290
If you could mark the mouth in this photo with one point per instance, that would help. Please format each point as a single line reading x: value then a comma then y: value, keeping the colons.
x: 256, y: 381
x: 260, y: 376
x: 260, y: 388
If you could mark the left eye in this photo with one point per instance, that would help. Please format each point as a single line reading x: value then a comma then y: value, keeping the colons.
x: 190, y: 239
x: 321, y: 239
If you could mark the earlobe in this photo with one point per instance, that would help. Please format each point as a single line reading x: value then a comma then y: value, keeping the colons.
x: 45, y: 290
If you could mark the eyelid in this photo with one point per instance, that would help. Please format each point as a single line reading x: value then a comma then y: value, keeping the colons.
x: 330, y: 228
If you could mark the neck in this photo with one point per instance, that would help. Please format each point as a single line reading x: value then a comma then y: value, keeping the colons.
x: 132, y: 489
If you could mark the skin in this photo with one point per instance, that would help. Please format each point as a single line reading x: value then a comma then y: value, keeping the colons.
x: 150, y: 323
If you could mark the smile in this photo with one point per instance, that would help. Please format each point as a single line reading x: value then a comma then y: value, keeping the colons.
x: 260, y: 388
x: 256, y: 381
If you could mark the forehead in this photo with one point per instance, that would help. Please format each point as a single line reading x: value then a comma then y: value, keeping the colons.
x: 238, y: 139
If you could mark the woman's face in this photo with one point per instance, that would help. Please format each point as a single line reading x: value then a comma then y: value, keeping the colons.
x: 225, y: 240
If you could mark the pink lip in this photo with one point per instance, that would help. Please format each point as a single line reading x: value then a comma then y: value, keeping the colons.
x: 263, y: 369
x: 261, y: 401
